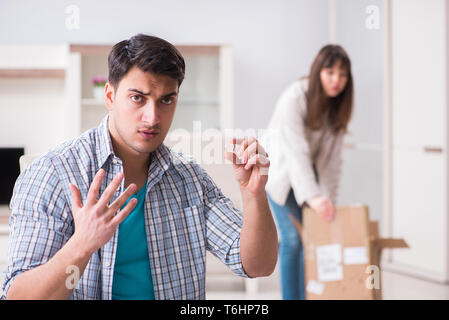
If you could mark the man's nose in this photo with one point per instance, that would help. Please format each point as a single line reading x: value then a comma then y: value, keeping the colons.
x: 150, y: 113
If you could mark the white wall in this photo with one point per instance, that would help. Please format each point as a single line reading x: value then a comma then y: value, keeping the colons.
x: 362, y: 180
x: 273, y: 41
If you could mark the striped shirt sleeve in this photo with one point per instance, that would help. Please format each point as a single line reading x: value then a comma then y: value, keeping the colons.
x: 223, y: 225
x: 40, y: 221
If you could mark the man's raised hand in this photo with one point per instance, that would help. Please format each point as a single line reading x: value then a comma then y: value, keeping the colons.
x: 95, y: 221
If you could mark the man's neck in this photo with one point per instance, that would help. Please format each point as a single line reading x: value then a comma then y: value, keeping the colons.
x: 139, y: 162
x: 135, y: 164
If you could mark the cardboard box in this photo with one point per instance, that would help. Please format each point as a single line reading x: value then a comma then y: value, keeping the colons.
x: 342, y: 257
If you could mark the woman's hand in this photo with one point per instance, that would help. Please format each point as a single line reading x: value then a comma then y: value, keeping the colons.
x: 323, y: 206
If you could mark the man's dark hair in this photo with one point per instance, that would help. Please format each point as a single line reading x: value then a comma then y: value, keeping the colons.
x: 149, y: 54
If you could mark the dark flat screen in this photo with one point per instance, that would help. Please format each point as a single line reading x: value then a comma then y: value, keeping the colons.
x: 9, y: 171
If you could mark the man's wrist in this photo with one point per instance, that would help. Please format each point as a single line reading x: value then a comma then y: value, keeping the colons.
x: 256, y: 195
x: 79, y: 249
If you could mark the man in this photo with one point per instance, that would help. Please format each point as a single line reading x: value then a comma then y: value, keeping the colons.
x: 129, y: 216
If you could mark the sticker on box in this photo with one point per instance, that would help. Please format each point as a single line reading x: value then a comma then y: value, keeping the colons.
x: 329, y: 261
x: 355, y: 255
x: 315, y: 287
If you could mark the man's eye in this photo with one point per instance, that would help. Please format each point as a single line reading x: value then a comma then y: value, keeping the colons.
x: 167, y: 100
x: 136, y: 98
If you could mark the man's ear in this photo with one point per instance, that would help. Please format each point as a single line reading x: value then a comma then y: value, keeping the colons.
x: 109, y: 95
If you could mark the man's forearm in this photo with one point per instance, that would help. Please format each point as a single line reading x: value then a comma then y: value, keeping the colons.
x: 258, y: 238
x: 49, y: 281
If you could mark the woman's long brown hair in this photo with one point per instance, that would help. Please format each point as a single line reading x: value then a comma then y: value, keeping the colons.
x: 337, y: 109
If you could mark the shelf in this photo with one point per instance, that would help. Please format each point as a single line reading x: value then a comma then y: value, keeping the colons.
x: 4, y: 219
x: 32, y: 73
x: 198, y: 103
x: 4, y: 213
x: 92, y: 102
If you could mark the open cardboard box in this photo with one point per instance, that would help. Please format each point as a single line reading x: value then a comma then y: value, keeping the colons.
x: 342, y: 257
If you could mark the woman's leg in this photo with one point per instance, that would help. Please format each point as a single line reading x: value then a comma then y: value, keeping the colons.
x: 291, y: 257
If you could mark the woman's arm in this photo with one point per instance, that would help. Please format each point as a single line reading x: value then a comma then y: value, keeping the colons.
x: 330, y: 175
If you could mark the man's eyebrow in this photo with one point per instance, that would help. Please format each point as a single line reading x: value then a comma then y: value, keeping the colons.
x: 139, y: 92
x: 148, y: 93
x: 170, y: 94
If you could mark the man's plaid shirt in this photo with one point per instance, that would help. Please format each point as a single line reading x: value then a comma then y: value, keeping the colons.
x: 185, y: 215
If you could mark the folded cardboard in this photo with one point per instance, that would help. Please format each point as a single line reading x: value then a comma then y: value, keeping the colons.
x: 342, y: 257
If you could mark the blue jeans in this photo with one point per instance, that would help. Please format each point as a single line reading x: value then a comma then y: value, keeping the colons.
x: 291, y: 255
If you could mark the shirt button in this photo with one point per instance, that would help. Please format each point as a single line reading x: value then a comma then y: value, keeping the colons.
x: 107, y: 264
x: 114, y: 161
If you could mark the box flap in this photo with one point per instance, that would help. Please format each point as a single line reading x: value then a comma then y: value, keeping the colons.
x: 389, y: 243
x: 374, y: 229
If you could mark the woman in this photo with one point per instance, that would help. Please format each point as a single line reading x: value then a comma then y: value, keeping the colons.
x: 304, y: 142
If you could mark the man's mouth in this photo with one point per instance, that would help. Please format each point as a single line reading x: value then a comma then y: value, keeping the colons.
x: 148, y: 134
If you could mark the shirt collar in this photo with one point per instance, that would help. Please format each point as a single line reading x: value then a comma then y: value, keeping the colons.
x: 160, y: 158
x: 104, y: 146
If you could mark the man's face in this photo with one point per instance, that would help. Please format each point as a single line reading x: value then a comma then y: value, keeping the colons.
x: 141, y: 110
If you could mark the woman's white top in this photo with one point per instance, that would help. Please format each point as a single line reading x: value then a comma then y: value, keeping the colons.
x: 293, y: 149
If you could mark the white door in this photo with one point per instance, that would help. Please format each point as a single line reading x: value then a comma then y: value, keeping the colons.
x: 418, y: 72
x: 419, y: 86
x: 419, y: 211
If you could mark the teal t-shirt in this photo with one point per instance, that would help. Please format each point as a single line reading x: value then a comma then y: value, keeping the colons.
x: 132, y: 273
